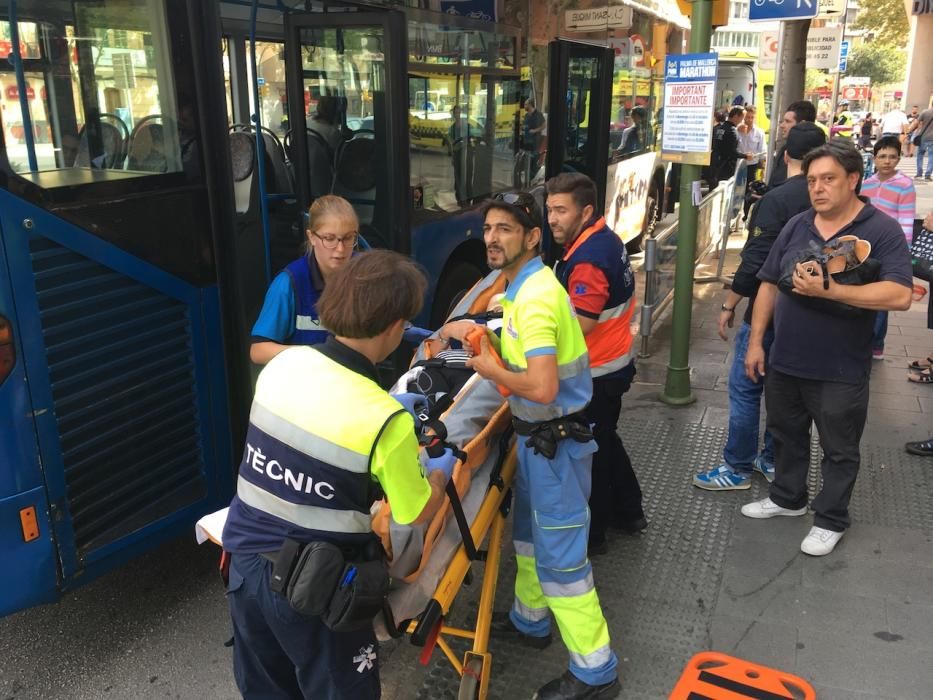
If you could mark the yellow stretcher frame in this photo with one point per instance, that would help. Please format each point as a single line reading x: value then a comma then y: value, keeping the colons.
x: 429, y: 630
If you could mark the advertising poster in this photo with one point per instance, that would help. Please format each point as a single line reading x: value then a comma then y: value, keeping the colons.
x: 689, y: 100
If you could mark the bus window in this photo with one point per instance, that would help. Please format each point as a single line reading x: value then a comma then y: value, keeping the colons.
x: 228, y: 83
x: 270, y: 58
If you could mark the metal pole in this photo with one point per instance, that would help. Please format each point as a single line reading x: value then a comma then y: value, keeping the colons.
x: 838, y: 76
x: 777, y: 103
x: 256, y: 118
x: 16, y: 58
x: 677, y: 387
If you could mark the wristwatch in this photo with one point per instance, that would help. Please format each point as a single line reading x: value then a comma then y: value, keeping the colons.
x: 727, y: 308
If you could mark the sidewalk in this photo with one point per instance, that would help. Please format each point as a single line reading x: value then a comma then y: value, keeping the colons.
x: 857, y: 623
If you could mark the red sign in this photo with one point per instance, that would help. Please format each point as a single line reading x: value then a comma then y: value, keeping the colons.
x: 856, y: 92
x: 12, y: 92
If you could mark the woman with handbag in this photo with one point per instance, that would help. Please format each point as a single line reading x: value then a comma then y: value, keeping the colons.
x: 920, y: 134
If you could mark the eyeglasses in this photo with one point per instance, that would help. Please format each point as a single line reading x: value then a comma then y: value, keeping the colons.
x: 523, y: 201
x: 331, y: 242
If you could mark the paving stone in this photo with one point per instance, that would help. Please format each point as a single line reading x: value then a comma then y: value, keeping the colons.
x: 762, y: 642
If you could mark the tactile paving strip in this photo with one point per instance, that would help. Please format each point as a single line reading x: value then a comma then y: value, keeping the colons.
x: 659, y: 589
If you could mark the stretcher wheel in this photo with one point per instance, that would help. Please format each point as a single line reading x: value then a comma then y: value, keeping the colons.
x: 470, y: 681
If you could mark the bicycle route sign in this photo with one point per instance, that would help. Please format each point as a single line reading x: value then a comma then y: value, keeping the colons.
x: 773, y: 10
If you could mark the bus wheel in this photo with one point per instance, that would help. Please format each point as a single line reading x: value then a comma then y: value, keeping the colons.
x: 453, y: 285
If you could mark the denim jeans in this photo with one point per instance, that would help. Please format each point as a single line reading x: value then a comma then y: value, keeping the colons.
x: 880, y: 331
x: 926, y: 146
x: 745, y: 408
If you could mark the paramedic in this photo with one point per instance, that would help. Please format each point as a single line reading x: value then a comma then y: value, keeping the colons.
x: 547, y: 371
x: 595, y: 271
x: 323, y: 439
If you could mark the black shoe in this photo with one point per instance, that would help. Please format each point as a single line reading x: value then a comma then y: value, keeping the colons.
x: 502, y: 627
x: 924, y: 448
x: 632, y: 527
x: 569, y: 687
x: 597, y: 546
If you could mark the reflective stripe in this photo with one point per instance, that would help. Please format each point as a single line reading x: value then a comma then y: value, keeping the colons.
x: 612, y: 365
x: 308, y: 517
x: 305, y: 442
x: 528, y: 613
x: 524, y: 549
x: 594, y: 659
x: 615, y: 311
x: 574, y: 367
x: 308, y: 323
x: 568, y: 590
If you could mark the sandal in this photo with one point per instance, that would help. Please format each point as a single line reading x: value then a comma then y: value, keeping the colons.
x: 923, y: 377
x: 919, y: 292
x: 920, y: 365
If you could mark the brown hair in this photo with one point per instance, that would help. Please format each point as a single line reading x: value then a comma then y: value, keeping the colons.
x: 370, y: 293
x: 579, y: 186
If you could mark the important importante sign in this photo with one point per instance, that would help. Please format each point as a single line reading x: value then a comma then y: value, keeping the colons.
x: 689, y: 99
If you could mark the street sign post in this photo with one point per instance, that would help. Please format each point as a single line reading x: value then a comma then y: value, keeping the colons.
x: 772, y: 10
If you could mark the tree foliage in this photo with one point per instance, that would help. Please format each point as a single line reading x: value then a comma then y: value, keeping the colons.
x: 883, y: 64
x: 886, y: 19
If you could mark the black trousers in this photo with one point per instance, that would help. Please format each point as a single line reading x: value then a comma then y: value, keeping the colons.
x: 839, y: 411
x: 615, y: 495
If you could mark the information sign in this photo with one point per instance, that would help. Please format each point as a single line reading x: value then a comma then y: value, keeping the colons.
x: 689, y: 99
x: 843, y: 56
x: 767, y: 50
x: 771, y: 10
x: 595, y: 18
x: 823, y: 47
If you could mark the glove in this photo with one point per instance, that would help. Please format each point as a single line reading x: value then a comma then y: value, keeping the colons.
x: 444, y: 463
x: 415, y: 404
x: 416, y: 336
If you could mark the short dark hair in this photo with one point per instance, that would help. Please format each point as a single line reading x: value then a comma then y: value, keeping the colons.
x: 370, y: 293
x: 887, y: 142
x: 736, y: 112
x: 521, y: 205
x: 804, y: 111
x: 841, y: 150
x: 577, y: 185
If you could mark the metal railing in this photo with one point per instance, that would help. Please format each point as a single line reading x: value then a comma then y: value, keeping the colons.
x: 718, y: 214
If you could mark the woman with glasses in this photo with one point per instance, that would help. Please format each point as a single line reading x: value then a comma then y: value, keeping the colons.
x: 289, y: 315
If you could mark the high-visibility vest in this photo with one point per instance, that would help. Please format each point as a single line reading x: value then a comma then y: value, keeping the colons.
x: 305, y: 471
x: 535, y: 304
x: 610, y: 342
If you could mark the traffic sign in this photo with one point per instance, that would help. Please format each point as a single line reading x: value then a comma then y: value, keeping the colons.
x: 771, y: 10
x: 843, y: 55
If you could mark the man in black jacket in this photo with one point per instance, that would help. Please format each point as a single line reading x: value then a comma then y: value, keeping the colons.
x: 741, y: 457
x: 725, y: 148
x: 796, y: 113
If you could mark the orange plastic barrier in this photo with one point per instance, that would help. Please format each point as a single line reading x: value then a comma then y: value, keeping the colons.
x: 713, y: 676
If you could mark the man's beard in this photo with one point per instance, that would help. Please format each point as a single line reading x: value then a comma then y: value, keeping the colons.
x: 506, y: 262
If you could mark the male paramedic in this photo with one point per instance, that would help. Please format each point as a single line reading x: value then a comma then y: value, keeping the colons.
x: 547, y: 372
x: 595, y: 271
x: 323, y: 439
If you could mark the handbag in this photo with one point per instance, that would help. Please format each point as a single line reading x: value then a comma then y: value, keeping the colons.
x: 847, y: 259
x: 916, y: 139
x: 921, y: 255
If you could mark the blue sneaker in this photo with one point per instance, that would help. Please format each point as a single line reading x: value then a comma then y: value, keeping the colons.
x: 723, y: 478
x: 766, y: 469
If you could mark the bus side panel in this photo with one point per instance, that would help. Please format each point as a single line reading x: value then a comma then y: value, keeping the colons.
x: 29, y: 574
x: 117, y: 352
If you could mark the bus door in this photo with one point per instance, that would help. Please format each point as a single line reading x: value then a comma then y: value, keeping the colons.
x: 113, y: 351
x: 348, y: 70
x: 579, y: 96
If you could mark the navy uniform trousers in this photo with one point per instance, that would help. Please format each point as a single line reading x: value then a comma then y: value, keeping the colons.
x: 279, y: 654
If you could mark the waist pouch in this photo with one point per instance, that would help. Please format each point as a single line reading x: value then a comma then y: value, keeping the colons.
x: 318, y: 581
x: 544, y: 437
x: 847, y: 259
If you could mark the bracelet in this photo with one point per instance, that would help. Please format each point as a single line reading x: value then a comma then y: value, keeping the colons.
x: 726, y: 308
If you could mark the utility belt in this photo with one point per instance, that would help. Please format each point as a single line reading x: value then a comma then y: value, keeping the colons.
x: 320, y: 580
x: 543, y: 437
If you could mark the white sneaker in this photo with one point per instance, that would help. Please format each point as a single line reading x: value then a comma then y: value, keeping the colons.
x: 820, y: 542
x: 766, y: 508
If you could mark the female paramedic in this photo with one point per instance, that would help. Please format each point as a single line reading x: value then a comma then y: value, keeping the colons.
x: 323, y: 441
x: 289, y: 314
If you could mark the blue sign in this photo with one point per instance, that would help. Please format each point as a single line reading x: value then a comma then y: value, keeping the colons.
x: 474, y: 9
x: 843, y: 55
x: 771, y: 10
x: 689, y: 99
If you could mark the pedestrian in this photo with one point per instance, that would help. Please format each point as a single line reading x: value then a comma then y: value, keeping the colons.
x: 725, y: 153
x: 865, y: 132
x: 796, y: 112
x: 911, y: 118
x: 891, y: 192
x: 921, y: 371
x: 921, y: 135
x: 595, y: 271
x: 741, y: 456
x: 894, y: 124
x: 752, y: 143
x: 533, y: 125
x: 820, y: 362
x: 289, y: 312
x: 547, y: 371
x: 843, y: 121
x: 323, y: 440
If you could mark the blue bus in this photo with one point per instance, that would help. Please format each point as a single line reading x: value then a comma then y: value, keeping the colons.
x: 156, y: 158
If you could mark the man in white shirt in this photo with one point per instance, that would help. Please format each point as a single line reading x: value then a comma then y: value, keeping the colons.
x: 751, y: 141
x: 894, y: 123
